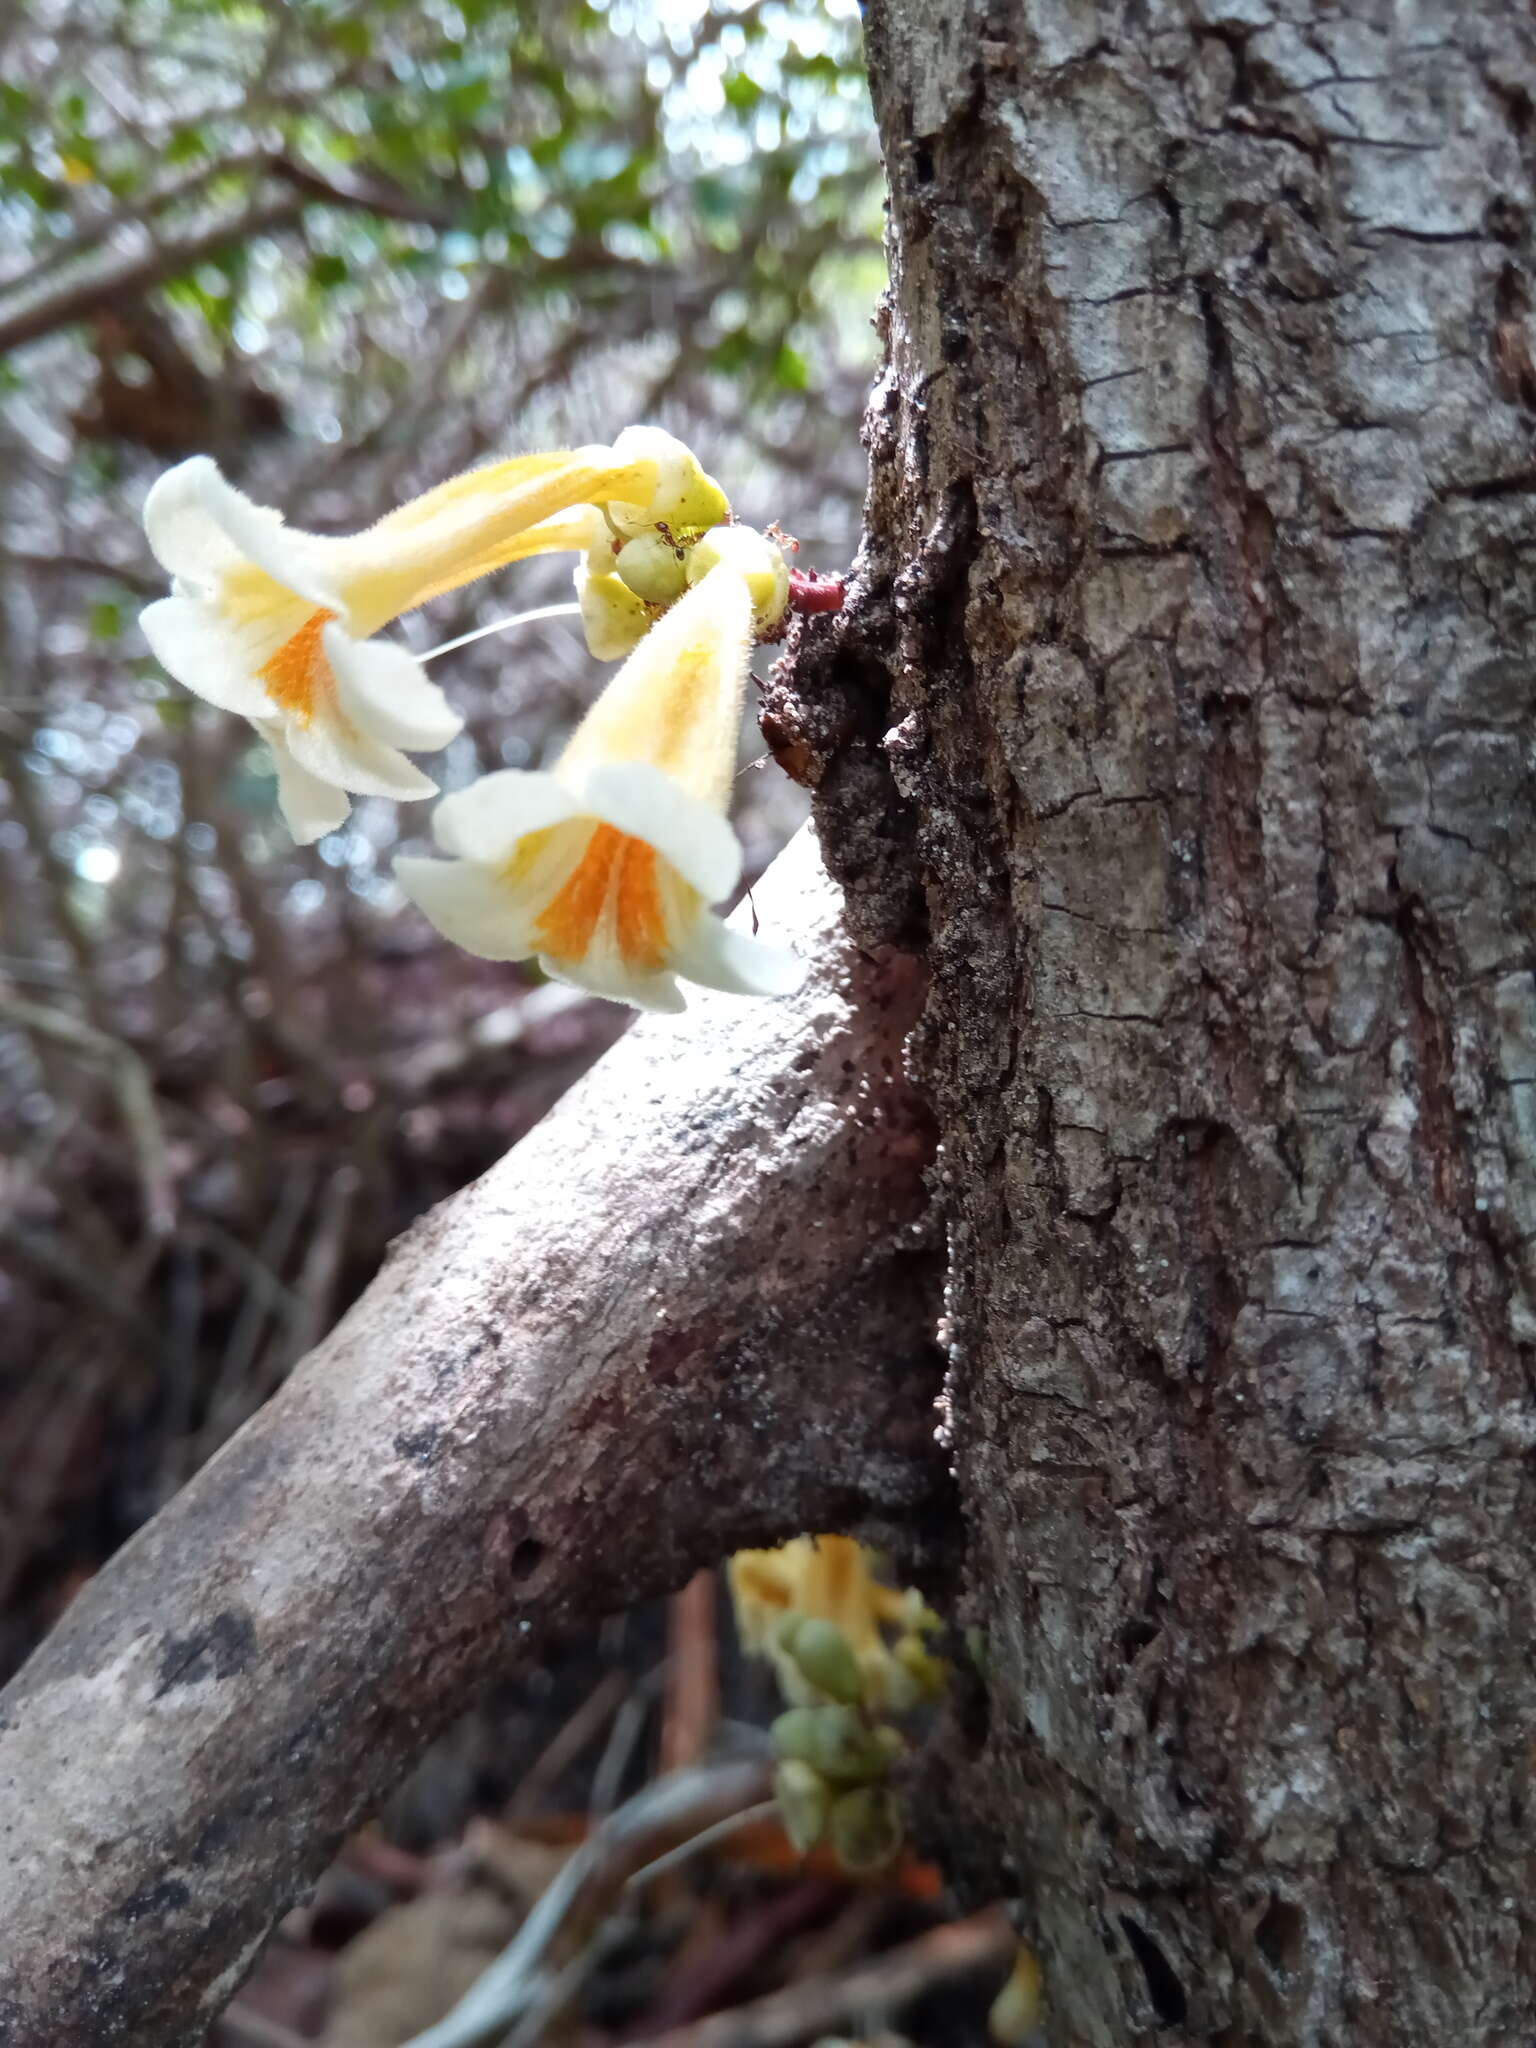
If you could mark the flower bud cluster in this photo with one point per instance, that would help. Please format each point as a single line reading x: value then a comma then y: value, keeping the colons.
x: 817, y: 1610
x: 640, y: 559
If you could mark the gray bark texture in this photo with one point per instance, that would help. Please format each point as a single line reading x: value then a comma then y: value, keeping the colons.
x: 691, y: 1311
x: 1184, y: 709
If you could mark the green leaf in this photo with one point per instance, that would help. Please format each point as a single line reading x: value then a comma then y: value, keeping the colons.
x: 186, y: 145
x: 327, y: 271
x: 790, y: 369
x: 732, y: 352
x: 742, y: 92
x: 351, y: 37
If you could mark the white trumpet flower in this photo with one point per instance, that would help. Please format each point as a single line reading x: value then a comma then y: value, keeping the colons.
x: 605, y: 866
x: 275, y: 624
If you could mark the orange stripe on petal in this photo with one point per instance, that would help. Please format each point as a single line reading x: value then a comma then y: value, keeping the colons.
x: 299, y: 671
x: 641, y: 921
x: 569, y: 922
x: 617, y: 868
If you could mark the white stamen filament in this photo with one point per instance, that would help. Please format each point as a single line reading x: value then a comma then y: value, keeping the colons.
x: 545, y: 611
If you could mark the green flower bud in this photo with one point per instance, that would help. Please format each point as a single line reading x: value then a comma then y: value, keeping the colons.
x: 794, y: 1733
x: 805, y: 1800
x: 865, y: 1828
x: 612, y: 617
x: 757, y: 559
x: 841, y: 1744
x: 652, y: 568
x: 821, y: 1650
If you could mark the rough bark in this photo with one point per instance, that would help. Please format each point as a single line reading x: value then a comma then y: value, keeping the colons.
x: 694, y: 1309
x: 1186, y: 695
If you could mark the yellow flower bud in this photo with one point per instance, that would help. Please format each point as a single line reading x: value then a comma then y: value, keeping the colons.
x: 782, y: 1634
x: 865, y: 1828
x: 1015, y: 2012
x: 918, y: 1616
x: 804, y: 1803
x: 684, y: 499
x: 612, y: 617
x: 929, y: 1674
x: 653, y: 568
x: 752, y: 555
x: 828, y: 1578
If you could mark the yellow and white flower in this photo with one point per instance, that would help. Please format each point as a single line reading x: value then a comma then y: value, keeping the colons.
x: 605, y: 867
x: 276, y: 624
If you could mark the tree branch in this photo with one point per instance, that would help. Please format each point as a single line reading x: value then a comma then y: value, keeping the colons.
x: 694, y: 1309
x: 163, y: 260
x: 158, y: 264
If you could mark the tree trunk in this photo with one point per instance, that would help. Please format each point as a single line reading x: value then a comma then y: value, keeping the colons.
x: 1184, y: 702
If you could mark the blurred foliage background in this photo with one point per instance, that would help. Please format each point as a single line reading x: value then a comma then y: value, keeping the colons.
x: 347, y: 249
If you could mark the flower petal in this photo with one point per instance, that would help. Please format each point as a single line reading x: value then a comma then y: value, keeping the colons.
x: 715, y: 956
x: 194, y: 644
x: 469, y: 905
x: 608, y: 978
x: 565, y: 532
x: 688, y: 834
x: 201, y: 528
x: 384, y: 691
x: 186, y: 542
x: 351, y: 760
x: 311, y: 807
x: 474, y: 523
x: 485, y: 821
x: 676, y: 702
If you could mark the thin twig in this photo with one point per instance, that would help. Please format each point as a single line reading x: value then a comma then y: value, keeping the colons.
x: 599, y: 1707
x: 135, y: 1096
x: 706, y: 1839
x: 734, y: 1952
x: 609, y: 1775
x: 245, y: 2029
x: 56, y: 564
x: 691, y: 1703
x: 593, y: 1877
x: 883, y: 1986
x: 265, y: 1295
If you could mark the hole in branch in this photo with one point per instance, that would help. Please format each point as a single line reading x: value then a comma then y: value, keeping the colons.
x: 1163, y: 1987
